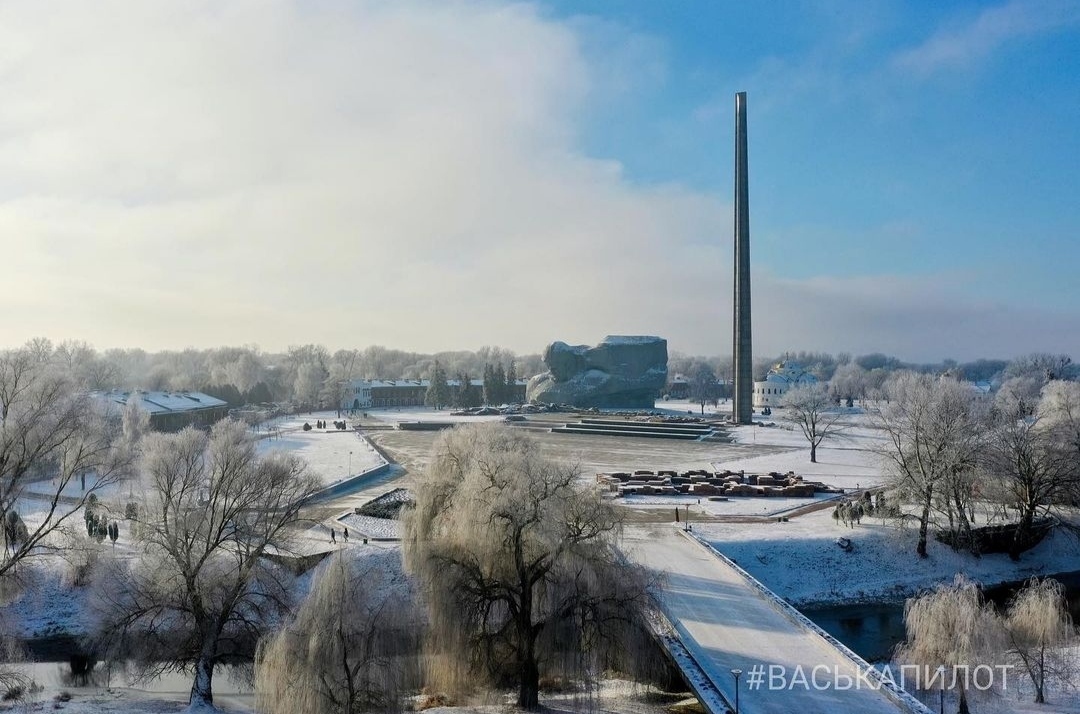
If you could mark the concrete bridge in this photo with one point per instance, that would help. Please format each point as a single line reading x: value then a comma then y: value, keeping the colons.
x: 724, y: 619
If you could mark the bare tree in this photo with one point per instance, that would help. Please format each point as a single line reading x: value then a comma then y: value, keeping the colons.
x: 950, y: 627
x: 352, y: 645
x: 517, y: 563
x: 56, y: 452
x: 1038, y: 624
x: 810, y: 408
x: 1026, y: 459
x: 202, y: 592
x: 703, y: 386
x: 932, y: 444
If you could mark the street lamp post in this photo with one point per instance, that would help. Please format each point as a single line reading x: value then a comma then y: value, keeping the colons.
x: 350, y: 465
x: 735, y: 673
x: 941, y: 692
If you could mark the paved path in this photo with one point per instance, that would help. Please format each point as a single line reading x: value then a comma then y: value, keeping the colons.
x: 726, y: 623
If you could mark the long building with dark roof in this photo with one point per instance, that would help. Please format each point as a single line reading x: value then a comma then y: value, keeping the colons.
x: 378, y: 393
x: 170, y: 411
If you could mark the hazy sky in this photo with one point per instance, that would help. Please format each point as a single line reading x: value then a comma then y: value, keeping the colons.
x: 444, y: 175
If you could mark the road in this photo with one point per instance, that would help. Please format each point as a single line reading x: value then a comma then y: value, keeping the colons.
x: 726, y: 623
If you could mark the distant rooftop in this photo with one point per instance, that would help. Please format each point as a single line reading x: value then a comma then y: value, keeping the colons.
x: 155, y: 402
x: 419, y: 382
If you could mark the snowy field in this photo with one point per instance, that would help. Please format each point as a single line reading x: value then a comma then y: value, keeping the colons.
x: 331, y: 454
x: 800, y: 561
x: 395, y: 415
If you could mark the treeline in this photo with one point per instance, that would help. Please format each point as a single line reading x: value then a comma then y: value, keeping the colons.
x: 305, y: 374
x: 877, y: 366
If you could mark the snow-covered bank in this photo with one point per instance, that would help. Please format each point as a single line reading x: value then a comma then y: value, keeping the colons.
x: 800, y: 561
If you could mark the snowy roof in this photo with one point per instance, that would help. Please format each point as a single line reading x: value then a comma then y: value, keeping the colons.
x: 373, y: 383
x: 630, y: 339
x: 163, y: 402
x: 789, y: 373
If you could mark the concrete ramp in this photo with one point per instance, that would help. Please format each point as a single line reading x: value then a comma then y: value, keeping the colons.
x: 727, y: 620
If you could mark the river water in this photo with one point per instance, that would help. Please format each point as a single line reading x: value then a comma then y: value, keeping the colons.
x: 872, y: 631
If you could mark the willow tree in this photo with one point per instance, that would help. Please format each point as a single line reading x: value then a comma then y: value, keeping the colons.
x: 352, y: 645
x: 1038, y: 624
x: 517, y: 564
x: 201, y: 592
x: 950, y: 627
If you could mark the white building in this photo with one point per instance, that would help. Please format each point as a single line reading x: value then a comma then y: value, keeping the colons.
x: 781, y: 377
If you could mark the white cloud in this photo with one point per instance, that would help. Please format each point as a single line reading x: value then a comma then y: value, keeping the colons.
x: 965, y: 46
x: 404, y: 173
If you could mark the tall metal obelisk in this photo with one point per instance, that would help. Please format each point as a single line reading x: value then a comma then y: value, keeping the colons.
x: 742, y: 406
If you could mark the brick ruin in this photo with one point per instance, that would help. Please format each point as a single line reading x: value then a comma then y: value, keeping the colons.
x: 701, y: 483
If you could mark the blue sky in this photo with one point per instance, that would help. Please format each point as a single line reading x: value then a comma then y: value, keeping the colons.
x: 434, y: 175
x: 886, y: 137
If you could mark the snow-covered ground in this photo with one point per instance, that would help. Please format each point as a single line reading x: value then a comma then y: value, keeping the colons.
x: 800, y: 561
x: 734, y: 506
x: 611, y: 696
x: 395, y: 415
x: 376, y: 528
x: 333, y: 455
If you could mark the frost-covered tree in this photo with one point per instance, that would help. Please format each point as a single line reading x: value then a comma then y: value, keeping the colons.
x: 1059, y: 410
x: 438, y: 391
x: 308, y: 385
x: 1042, y: 366
x: 1033, y: 472
x: 1019, y: 396
x: 201, y: 593
x: 465, y: 394
x: 517, y: 564
x: 492, y: 388
x: 933, y: 440
x: 950, y: 626
x: 809, y: 407
x: 849, y: 382
x: 245, y: 370
x: 1038, y: 624
x: 353, y: 644
x: 56, y: 450
x: 134, y: 421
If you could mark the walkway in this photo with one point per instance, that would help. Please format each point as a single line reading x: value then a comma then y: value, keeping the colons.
x: 726, y: 622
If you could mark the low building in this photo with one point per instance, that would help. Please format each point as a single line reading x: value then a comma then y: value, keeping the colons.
x: 169, y: 411
x: 382, y: 393
x: 678, y: 387
x: 781, y: 377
